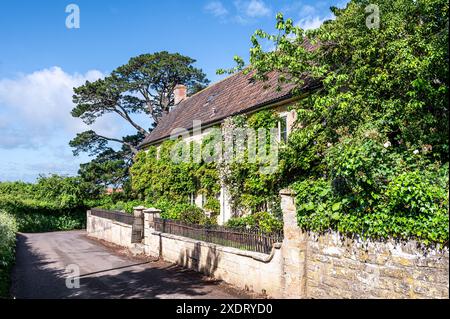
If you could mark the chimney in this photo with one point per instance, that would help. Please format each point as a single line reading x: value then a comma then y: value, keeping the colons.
x: 180, y: 93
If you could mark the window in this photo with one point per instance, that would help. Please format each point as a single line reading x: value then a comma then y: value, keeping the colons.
x: 282, y: 128
x: 203, y: 200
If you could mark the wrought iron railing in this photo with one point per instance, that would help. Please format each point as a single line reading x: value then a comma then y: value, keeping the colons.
x: 246, y: 239
x: 113, y: 215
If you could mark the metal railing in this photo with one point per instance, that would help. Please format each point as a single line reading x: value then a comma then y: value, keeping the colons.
x: 113, y: 215
x: 252, y: 240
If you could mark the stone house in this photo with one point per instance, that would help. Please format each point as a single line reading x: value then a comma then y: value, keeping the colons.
x: 238, y: 94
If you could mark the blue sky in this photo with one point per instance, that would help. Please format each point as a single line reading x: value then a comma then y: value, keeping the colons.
x: 41, y: 61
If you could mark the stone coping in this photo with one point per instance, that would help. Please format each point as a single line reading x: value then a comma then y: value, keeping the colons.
x: 231, y: 250
x: 111, y: 221
x: 287, y: 191
x: 151, y: 210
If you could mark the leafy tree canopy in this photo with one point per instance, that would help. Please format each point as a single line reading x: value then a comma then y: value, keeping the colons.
x: 369, y: 154
x: 144, y: 85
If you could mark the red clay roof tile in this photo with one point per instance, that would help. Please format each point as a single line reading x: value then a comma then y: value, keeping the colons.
x: 233, y: 95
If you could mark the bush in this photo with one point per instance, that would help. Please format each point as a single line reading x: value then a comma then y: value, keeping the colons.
x: 8, y: 229
x: 263, y: 221
x: 193, y: 215
x: 126, y: 207
x: 36, y: 223
x: 53, y: 203
x: 408, y: 205
x: 212, y: 205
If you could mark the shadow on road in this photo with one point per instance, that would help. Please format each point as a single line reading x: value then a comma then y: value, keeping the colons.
x: 37, y: 275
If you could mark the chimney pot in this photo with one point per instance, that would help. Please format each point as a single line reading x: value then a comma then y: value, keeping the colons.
x: 180, y: 93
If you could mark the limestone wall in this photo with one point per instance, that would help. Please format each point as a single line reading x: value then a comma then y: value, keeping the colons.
x: 305, y: 265
x: 330, y: 266
x: 109, y: 230
x: 247, y: 270
x: 344, y: 268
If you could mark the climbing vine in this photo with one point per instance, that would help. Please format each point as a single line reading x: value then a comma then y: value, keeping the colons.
x: 372, y: 156
x: 157, y: 178
x: 250, y: 189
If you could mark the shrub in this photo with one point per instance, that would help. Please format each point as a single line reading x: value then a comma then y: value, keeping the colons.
x: 36, y: 223
x: 123, y: 206
x: 213, y: 205
x: 193, y: 215
x: 53, y: 203
x: 65, y: 192
x: 412, y: 204
x: 8, y: 229
x: 263, y: 221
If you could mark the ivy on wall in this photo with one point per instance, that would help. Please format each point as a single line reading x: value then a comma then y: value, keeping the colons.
x: 250, y: 189
x: 158, y: 177
x: 372, y: 156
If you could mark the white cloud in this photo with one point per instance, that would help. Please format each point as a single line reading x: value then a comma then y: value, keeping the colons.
x: 312, y: 22
x: 309, y: 16
x: 309, y: 23
x: 36, y: 124
x: 256, y: 8
x: 35, y: 108
x: 245, y: 11
x: 249, y: 11
x: 216, y: 8
x: 307, y: 10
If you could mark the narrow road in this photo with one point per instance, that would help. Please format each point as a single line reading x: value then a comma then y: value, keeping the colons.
x: 41, y: 272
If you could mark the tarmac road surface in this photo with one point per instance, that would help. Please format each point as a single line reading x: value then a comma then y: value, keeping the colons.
x: 41, y: 272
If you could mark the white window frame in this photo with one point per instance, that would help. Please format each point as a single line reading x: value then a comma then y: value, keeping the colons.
x: 283, y: 115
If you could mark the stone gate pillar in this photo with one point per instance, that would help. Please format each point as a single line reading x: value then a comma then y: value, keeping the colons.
x: 152, y: 241
x: 137, y: 233
x: 293, y: 250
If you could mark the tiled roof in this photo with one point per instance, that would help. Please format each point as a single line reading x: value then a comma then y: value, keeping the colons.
x: 233, y: 95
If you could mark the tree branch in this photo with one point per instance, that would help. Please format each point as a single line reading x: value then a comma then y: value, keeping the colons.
x: 133, y: 149
x: 125, y: 116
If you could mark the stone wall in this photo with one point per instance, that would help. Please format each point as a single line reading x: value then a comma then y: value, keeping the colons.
x: 247, y: 270
x: 109, y: 230
x: 343, y: 268
x: 331, y: 266
x: 305, y: 265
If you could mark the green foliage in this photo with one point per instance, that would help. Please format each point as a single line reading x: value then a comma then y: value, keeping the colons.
x: 412, y: 205
x: 144, y: 85
x: 250, y: 188
x: 157, y: 178
x: 370, y: 155
x: 212, y: 205
x: 8, y: 229
x: 16, y: 188
x: 194, y: 215
x: 263, y: 221
x: 376, y: 191
x: 184, y: 212
x: 67, y: 192
x: 37, y: 223
x: 263, y: 119
x: 53, y: 203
